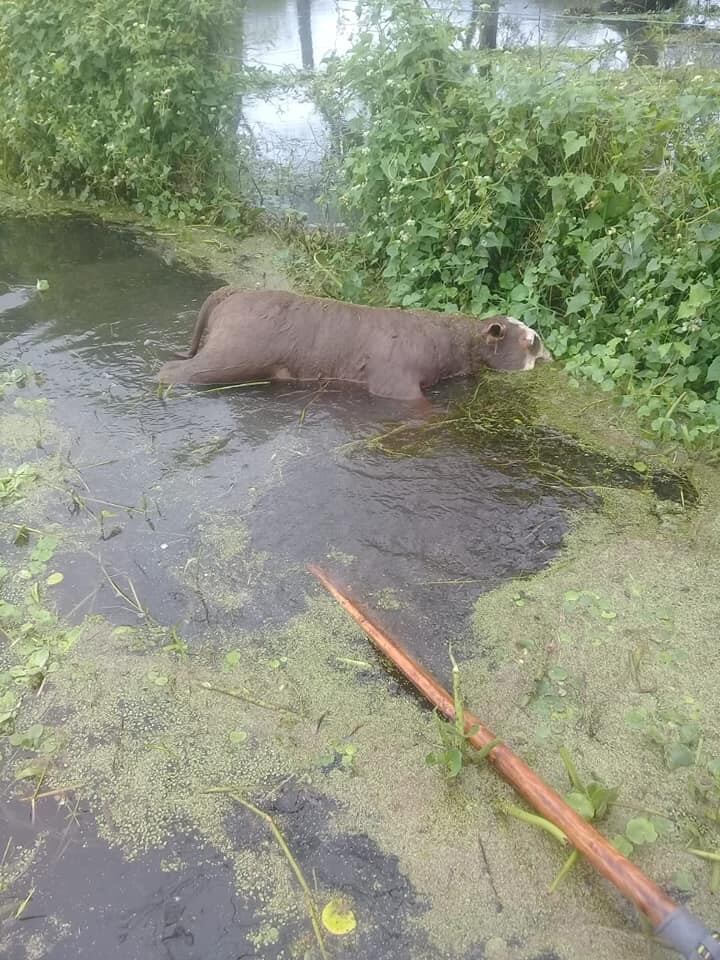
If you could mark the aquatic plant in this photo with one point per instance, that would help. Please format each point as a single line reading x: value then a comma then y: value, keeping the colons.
x: 585, y: 203
x: 454, y: 736
x: 13, y: 481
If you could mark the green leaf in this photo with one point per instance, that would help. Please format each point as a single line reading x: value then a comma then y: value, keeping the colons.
x: 581, y: 804
x: 410, y: 299
x: 582, y: 185
x: 38, y: 659
x: 708, y: 232
x: 31, y: 772
x: 159, y: 679
x: 683, y: 880
x: 601, y: 798
x: 661, y: 824
x: 689, y: 734
x: 576, y: 303
x: 573, y: 142
x: 622, y: 844
x: 519, y: 293
x: 22, y: 536
x: 713, y: 371
x: 35, y: 731
x: 640, y: 830
x: 54, y: 578
x: 698, y: 297
x: 453, y: 762
x: 428, y: 161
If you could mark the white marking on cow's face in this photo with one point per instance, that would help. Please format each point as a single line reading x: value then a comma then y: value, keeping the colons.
x: 527, y: 334
x: 527, y: 337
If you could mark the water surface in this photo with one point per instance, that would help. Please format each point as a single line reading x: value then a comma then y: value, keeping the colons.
x: 416, y: 525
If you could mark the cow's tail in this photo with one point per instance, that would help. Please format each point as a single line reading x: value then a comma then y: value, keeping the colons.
x: 202, y: 318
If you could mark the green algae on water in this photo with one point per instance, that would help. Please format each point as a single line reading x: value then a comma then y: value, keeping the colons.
x: 548, y: 662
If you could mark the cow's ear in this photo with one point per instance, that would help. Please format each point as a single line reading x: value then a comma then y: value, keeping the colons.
x: 496, y: 330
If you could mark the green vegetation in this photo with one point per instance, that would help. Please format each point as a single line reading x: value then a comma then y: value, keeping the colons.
x: 454, y: 735
x: 134, y: 102
x: 636, y: 641
x: 586, y: 203
x: 593, y: 802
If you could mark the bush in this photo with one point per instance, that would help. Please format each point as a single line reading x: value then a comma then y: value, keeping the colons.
x: 131, y: 101
x: 586, y: 203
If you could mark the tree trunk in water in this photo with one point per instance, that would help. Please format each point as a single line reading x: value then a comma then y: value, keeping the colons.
x: 484, y: 23
x: 305, y: 31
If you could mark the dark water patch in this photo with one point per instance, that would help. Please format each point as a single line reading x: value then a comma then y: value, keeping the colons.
x: 437, y: 530
x: 352, y: 863
x: 181, y: 902
x: 104, y: 288
x: 89, y: 901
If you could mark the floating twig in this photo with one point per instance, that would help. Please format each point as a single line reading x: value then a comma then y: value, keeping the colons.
x: 132, y: 601
x: 311, y: 401
x: 58, y: 792
x: 535, y: 821
x: 234, y: 386
x: 294, y: 865
x: 246, y: 697
x: 21, y: 909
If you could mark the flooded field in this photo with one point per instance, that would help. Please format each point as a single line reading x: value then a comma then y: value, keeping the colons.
x: 197, y: 679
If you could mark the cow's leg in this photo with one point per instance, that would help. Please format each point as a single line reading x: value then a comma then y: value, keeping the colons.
x: 209, y: 367
x: 387, y: 381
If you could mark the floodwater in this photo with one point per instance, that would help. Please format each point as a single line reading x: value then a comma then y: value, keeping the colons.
x: 427, y: 520
x: 291, y: 135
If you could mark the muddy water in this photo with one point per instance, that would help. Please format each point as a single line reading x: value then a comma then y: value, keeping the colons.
x: 285, y: 462
x: 418, y: 524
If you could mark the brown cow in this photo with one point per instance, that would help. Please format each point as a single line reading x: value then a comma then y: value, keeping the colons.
x: 276, y: 335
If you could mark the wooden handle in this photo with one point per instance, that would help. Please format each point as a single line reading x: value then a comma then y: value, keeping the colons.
x: 597, y: 850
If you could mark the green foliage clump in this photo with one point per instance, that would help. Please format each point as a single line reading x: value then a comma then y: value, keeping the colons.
x: 132, y: 101
x: 585, y: 203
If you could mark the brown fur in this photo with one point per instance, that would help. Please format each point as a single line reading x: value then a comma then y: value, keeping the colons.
x: 276, y: 335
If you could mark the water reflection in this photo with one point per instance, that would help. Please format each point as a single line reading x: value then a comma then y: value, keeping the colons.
x: 290, y: 133
x: 300, y: 33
